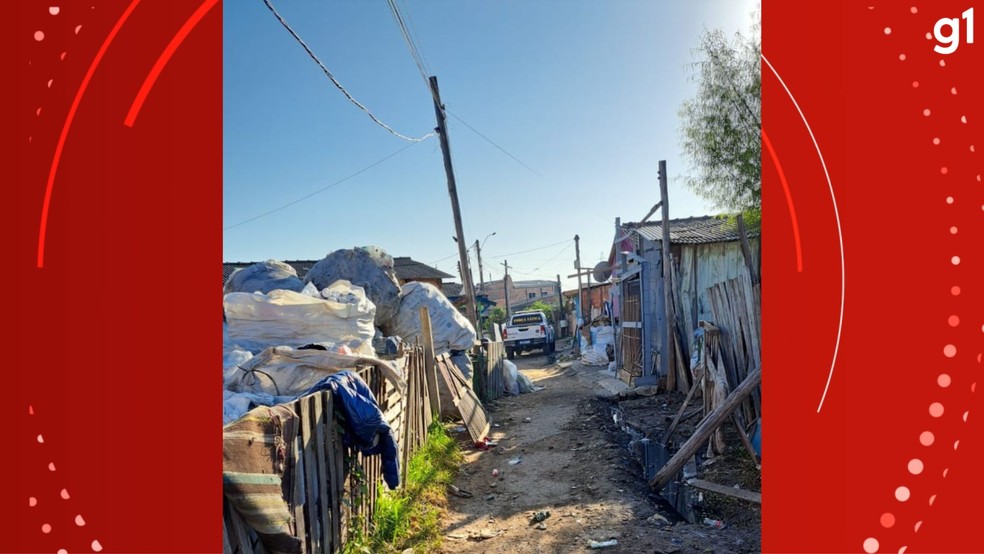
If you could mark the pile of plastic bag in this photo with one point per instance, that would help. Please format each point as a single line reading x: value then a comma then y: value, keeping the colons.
x: 452, y: 331
x: 597, y: 353
x: 339, y: 315
x: 264, y: 277
x: 369, y: 267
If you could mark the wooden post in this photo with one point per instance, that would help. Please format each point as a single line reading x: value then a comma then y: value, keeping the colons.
x: 430, y: 366
x: 580, y: 294
x: 505, y: 289
x: 669, y: 357
x: 709, y: 424
x: 466, y: 280
x: 746, y: 250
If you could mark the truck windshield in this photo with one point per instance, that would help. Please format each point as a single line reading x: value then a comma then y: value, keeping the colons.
x: 527, y: 319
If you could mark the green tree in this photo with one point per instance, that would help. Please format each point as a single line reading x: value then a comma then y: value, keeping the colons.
x: 496, y: 315
x: 722, y: 124
x: 540, y: 306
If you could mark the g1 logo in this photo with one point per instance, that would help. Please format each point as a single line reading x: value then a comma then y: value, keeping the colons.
x: 949, y: 43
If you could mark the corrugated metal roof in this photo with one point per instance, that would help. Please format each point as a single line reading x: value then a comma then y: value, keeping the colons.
x: 406, y: 269
x: 691, y: 230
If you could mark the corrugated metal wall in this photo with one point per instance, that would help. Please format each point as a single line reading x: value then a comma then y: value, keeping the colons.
x: 699, y: 266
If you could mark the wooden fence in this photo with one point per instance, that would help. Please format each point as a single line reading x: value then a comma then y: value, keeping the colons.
x: 332, y: 489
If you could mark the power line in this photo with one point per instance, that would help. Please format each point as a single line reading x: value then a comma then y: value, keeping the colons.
x: 409, y: 39
x: 530, y: 250
x: 335, y: 81
x: 319, y: 191
x: 493, y: 143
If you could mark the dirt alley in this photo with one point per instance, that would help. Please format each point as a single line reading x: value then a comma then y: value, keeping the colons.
x: 575, y: 463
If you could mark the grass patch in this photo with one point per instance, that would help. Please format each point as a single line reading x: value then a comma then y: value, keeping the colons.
x: 410, y: 517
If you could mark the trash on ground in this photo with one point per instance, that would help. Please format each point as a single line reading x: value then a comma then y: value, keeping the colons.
x: 515, y: 461
x: 483, y: 535
x: 495, y: 473
x: 527, y: 420
x: 658, y: 519
x: 542, y: 526
x: 490, y: 497
x: 459, y: 429
x: 459, y: 492
x: 539, y: 516
x: 603, y: 544
x: 716, y: 523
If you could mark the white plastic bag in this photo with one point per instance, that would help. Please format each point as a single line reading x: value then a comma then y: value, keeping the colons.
x: 286, y: 318
x: 510, y: 377
x: 451, y: 329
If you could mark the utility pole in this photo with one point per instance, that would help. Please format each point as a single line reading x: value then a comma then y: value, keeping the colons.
x: 580, y: 294
x: 505, y: 288
x: 481, y: 279
x: 668, y: 354
x: 442, y: 131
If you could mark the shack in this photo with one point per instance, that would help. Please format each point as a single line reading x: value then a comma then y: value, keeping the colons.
x: 706, y: 254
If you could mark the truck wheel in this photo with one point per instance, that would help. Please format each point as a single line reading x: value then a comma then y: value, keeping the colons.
x: 511, y: 353
x: 553, y: 347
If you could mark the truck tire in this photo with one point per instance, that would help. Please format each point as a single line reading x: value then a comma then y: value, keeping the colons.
x: 511, y: 354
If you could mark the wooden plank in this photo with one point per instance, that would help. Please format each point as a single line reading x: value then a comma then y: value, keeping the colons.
x: 476, y: 420
x: 745, y: 441
x: 310, y: 476
x: 323, y: 474
x: 430, y: 370
x: 706, y: 427
x: 683, y: 407
x: 336, y: 459
x: 299, y: 493
x: 743, y: 494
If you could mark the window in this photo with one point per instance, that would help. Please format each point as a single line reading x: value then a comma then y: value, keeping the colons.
x: 531, y: 295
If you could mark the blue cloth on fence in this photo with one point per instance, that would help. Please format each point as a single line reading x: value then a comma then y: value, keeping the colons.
x: 365, y: 428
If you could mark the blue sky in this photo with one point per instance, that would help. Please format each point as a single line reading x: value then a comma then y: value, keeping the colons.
x: 585, y: 93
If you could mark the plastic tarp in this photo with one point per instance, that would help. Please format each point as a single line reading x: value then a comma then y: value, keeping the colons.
x: 264, y: 277
x: 451, y: 329
x: 342, y: 316
x: 236, y: 404
x: 284, y: 371
x: 368, y: 267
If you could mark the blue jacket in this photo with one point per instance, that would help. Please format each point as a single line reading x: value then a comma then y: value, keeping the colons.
x: 363, y: 422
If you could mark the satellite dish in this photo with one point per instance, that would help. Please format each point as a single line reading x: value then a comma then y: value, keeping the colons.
x: 602, y: 272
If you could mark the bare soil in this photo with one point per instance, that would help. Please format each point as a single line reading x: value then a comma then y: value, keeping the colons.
x: 571, y: 459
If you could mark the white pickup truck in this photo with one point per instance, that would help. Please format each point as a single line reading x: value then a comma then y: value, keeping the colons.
x: 528, y: 331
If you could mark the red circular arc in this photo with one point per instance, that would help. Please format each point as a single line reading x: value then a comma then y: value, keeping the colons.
x: 68, y: 124
x: 789, y: 200
x: 164, y: 58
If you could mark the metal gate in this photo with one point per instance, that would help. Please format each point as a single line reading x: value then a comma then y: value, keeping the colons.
x: 632, y: 327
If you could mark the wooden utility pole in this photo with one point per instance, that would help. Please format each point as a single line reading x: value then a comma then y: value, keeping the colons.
x: 580, y: 297
x: 442, y: 132
x: 669, y: 356
x: 481, y: 278
x: 505, y: 289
